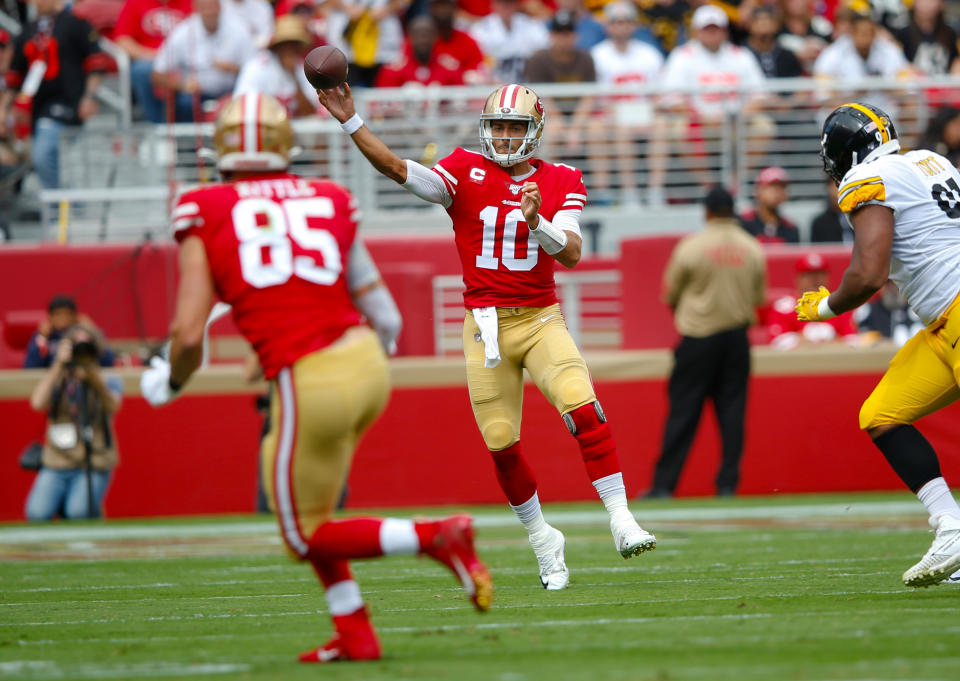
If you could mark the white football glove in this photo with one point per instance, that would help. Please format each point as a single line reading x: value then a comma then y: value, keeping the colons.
x: 155, y: 383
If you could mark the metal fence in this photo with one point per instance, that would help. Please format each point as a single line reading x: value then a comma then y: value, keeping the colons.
x: 633, y: 146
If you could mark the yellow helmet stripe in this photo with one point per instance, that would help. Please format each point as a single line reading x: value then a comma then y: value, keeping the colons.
x: 873, y: 117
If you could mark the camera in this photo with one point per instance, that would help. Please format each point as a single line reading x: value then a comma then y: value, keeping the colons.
x: 85, y: 351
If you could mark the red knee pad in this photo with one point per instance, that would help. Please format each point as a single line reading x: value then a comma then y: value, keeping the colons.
x: 589, y: 425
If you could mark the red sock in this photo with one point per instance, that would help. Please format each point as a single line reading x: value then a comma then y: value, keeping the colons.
x: 514, y: 475
x: 346, y: 539
x: 332, y: 571
x: 426, y: 533
x: 596, y: 442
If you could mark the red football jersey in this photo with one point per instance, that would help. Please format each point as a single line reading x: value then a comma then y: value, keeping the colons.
x: 503, y: 264
x: 278, y: 247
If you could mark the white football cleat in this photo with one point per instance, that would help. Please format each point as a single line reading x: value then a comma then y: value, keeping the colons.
x: 943, y: 557
x: 554, y: 574
x: 629, y: 538
x: 952, y: 579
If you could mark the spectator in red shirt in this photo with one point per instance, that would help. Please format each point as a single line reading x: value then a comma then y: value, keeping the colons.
x: 457, y: 44
x: 764, y: 221
x: 787, y: 332
x: 421, y: 63
x: 141, y: 28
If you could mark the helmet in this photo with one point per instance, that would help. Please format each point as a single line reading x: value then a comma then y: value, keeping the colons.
x: 854, y: 133
x: 512, y: 103
x: 252, y: 133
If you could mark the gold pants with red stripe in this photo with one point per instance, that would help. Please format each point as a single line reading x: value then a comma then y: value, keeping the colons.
x: 923, y: 376
x: 531, y: 338
x: 322, y: 406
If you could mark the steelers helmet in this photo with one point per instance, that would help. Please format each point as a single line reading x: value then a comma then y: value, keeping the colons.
x: 854, y: 133
x: 252, y: 133
x: 512, y: 103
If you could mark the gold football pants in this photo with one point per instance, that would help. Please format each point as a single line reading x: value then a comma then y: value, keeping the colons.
x: 535, y: 338
x: 923, y: 376
x: 321, y: 407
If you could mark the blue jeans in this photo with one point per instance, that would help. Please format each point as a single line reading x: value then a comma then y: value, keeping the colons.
x: 65, y: 492
x: 46, y: 151
x: 140, y: 72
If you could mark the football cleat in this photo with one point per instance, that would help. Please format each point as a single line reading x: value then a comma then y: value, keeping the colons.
x: 354, y: 641
x: 629, y: 538
x: 952, y: 579
x: 943, y: 557
x: 453, y: 546
x: 548, y: 548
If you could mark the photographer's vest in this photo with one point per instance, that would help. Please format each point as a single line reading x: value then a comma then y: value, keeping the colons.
x: 64, y: 447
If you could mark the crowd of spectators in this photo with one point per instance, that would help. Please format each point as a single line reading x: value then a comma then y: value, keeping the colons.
x: 187, y: 56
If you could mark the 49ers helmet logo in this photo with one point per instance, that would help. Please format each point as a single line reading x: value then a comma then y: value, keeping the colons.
x: 539, y: 106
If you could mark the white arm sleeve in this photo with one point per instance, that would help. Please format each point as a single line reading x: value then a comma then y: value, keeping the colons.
x: 361, y: 270
x: 426, y: 184
x: 568, y: 221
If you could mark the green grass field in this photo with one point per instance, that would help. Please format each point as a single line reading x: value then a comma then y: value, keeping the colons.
x: 795, y: 588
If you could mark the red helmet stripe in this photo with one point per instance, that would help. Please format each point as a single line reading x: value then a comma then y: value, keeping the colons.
x: 516, y: 91
x: 503, y: 95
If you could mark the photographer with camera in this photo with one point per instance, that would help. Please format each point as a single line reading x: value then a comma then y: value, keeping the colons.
x: 80, y: 448
x: 62, y: 316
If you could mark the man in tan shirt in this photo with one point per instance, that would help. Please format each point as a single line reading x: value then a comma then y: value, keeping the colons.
x: 714, y: 281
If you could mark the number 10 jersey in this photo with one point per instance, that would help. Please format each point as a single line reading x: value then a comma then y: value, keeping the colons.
x: 922, y: 188
x: 503, y: 264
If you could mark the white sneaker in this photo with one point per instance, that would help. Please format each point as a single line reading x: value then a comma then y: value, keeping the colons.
x: 548, y: 547
x: 629, y: 538
x: 943, y: 558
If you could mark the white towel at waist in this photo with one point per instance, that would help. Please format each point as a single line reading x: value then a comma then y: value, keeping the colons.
x: 486, y: 318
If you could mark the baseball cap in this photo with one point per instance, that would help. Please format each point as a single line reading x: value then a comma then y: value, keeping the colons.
x: 619, y: 9
x: 709, y: 15
x: 718, y: 199
x: 772, y: 175
x: 283, y: 7
x: 812, y: 262
x: 563, y: 20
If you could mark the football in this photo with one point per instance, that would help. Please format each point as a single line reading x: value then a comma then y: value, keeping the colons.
x: 325, y: 67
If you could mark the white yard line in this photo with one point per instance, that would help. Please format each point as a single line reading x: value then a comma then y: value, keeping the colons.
x: 131, y: 671
x: 493, y: 519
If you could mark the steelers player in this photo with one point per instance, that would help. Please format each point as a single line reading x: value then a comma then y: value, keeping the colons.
x: 514, y: 217
x: 278, y: 248
x: 905, y: 212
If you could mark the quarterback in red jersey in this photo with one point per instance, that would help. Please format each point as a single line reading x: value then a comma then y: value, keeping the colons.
x: 513, y: 216
x: 280, y: 250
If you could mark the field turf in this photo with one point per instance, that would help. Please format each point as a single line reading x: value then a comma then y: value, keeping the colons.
x: 772, y: 589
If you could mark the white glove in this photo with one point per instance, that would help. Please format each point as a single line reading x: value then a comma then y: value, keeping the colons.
x: 155, y: 383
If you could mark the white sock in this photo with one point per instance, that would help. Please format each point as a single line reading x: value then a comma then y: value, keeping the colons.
x: 936, y: 496
x: 531, y: 515
x: 343, y: 597
x: 398, y: 537
x: 613, y: 494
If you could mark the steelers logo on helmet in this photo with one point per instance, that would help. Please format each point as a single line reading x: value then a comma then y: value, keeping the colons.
x: 512, y: 103
x: 855, y: 133
x: 253, y: 133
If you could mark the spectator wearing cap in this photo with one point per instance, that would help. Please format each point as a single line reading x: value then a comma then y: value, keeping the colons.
x: 278, y: 70
x: 141, y: 28
x: 62, y: 316
x: 563, y: 62
x: 508, y: 37
x: 714, y: 282
x: 832, y: 225
x: 786, y: 331
x: 589, y: 31
x: 200, y: 59
x: 257, y: 15
x: 622, y: 60
x: 421, y: 64
x: 455, y: 44
x: 764, y: 221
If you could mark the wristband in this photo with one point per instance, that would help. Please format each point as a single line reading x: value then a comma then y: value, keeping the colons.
x: 823, y: 309
x: 352, y: 124
x: 551, y: 239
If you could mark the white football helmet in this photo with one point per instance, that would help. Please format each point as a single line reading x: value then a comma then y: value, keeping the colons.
x: 512, y: 103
